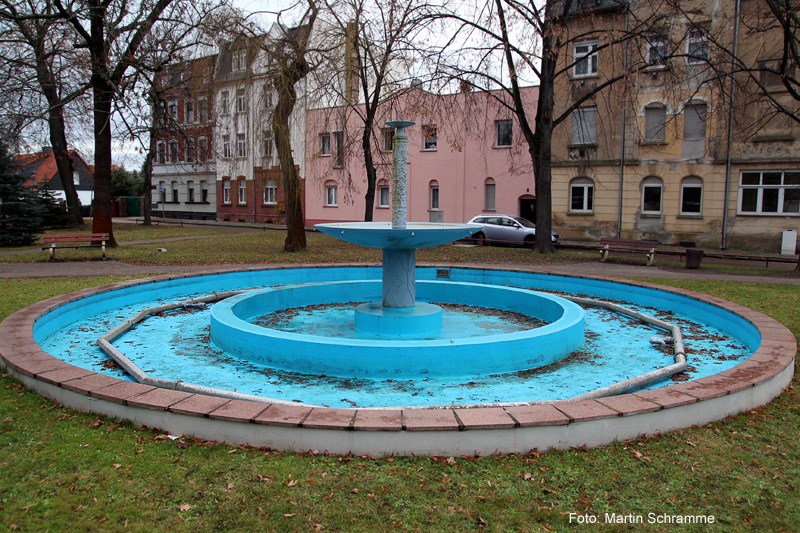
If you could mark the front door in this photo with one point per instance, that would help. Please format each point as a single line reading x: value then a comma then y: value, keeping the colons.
x: 527, y: 208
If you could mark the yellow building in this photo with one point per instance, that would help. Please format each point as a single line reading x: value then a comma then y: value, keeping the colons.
x: 667, y: 151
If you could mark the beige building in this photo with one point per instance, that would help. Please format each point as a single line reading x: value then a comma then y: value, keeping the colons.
x: 668, y: 152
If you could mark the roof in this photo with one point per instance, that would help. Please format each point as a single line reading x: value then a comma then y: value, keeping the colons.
x: 40, y: 168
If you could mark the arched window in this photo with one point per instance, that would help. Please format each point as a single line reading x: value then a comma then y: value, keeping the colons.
x: 226, y: 191
x: 581, y: 195
x: 190, y: 192
x: 694, y: 120
x: 691, y: 196
x: 652, y: 189
x: 434, y: 194
x: 242, y: 196
x: 175, y: 192
x: 655, y: 123
x: 489, y: 194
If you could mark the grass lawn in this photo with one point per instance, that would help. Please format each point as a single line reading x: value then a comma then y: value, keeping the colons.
x: 65, y: 470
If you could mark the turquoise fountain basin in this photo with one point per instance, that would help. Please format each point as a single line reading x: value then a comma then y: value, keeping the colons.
x: 394, y: 354
x: 382, y: 235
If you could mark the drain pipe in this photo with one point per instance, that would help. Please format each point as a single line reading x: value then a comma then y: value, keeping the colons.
x: 622, y: 148
x: 724, y: 244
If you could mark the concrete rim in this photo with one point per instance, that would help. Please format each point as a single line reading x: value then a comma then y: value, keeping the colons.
x: 451, y: 430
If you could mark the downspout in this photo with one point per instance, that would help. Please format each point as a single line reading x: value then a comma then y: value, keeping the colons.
x: 622, y: 148
x: 728, y: 156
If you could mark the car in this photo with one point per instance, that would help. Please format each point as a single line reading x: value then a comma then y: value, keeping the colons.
x: 507, y: 229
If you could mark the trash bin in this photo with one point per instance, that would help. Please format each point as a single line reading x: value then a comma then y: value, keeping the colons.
x: 693, y: 258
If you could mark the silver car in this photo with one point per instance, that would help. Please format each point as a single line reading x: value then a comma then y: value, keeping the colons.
x: 507, y: 229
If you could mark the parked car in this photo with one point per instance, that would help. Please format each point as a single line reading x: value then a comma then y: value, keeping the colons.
x: 507, y: 229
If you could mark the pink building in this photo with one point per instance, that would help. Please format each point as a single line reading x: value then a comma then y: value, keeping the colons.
x: 466, y: 156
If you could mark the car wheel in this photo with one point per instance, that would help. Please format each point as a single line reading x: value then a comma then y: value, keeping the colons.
x: 479, y: 239
x: 529, y: 241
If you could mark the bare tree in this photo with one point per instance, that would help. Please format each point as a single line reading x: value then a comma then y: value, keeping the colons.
x: 37, y: 57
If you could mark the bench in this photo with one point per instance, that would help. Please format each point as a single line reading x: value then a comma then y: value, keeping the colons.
x: 629, y: 245
x: 78, y: 240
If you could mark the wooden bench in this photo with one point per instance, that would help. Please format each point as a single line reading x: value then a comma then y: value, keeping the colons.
x: 77, y: 240
x: 629, y: 245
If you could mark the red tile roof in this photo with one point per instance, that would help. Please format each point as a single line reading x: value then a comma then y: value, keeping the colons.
x: 46, y: 168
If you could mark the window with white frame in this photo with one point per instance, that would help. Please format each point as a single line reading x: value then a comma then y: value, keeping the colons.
x: 76, y: 177
x: 338, y: 147
x: 657, y: 51
x: 655, y: 123
x: 202, y: 110
x: 175, y: 197
x: 695, y: 115
x: 204, y: 191
x: 324, y: 144
x: 242, y: 192
x: 383, y: 196
x: 774, y: 192
x: 161, y: 151
x: 503, y: 129
x: 172, y: 109
x: 271, y: 192
x: 585, y: 57
x: 238, y: 60
x: 331, y: 195
x: 224, y: 102
x: 269, y: 144
x: 190, y: 150
x: 584, y: 126
x: 489, y: 191
x: 388, y: 139
x: 429, y: 137
x: 227, y: 152
x: 241, y: 145
x: 241, y: 102
x: 226, y: 191
x: 652, y: 192
x: 190, y: 192
x: 696, y: 46
x: 691, y: 196
x: 581, y: 195
x: 434, y: 195
x: 189, y: 112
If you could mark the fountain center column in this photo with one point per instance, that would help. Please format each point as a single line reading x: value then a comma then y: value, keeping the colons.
x: 399, y: 263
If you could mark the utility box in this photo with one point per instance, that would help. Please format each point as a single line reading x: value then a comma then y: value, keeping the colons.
x: 789, y: 242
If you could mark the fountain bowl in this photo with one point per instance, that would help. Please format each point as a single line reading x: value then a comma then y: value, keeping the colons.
x: 383, y: 235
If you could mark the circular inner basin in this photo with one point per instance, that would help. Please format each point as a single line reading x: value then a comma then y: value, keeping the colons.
x: 455, y: 351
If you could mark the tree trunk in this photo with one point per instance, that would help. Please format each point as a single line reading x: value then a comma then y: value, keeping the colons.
x: 58, y: 141
x: 366, y: 145
x: 148, y: 179
x: 295, y: 224
x: 101, y: 212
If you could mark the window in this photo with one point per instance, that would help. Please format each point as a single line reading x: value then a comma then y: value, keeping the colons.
x: 324, y: 144
x: 584, y: 126
x: 429, y: 133
x: 585, y: 57
x: 189, y: 192
x: 338, y: 141
x: 268, y: 144
x: 241, y: 145
x: 271, y: 192
x: 161, y: 152
x: 189, y: 112
x: 696, y: 46
x: 331, y: 195
x: 770, y: 193
x: 162, y: 192
x: 691, y: 196
x: 175, y: 198
x: 657, y: 51
x: 204, y: 191
x: 76, y: 177
x: 434, y: 190
x: 383, y: 196
x: 241, y: 102
x: 388, y: 139
x: 202, y: 149
x: 651, y: 196
x: 242, y: 190
x: 172, y: 109
x: 173, y: 151
x: 190, y: 150
x: 224, y: 103
x: 226, y: 191
x: 581, y: 195
x: 694, y: 121
x: 489, y: 195
x: 226, y: 146
x: 202, y: 110
x: 655, y: 124
x: 238, y: 60
x: 504, y: 128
